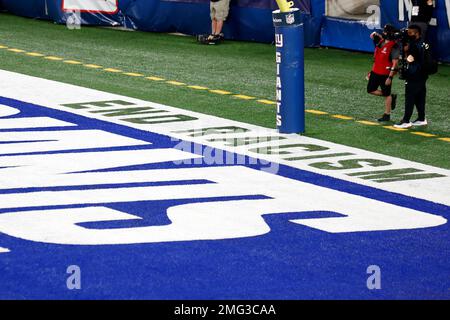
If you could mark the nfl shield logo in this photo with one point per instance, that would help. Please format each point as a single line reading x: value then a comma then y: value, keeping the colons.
x: 290, y: 19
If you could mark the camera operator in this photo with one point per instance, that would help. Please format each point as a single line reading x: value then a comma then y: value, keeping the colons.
x: 422, y: 11
x: 415, y: 79
x: 384, y: 68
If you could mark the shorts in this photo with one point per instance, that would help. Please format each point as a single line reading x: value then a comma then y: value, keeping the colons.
x: 219, y: 10
x: 377, y: 80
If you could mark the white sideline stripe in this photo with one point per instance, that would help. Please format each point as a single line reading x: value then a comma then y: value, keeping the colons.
x: 4, y: 250
x: 34, y: 122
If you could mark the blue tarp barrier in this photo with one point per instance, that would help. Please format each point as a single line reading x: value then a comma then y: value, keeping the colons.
x: 29, y: 8
x: 248, y: 20
x: 346, y: 34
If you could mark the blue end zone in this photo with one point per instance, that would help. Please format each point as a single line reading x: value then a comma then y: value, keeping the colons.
x: 290, y: 262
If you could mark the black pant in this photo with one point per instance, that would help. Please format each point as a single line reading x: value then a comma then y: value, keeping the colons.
x: 415, y: 95
x: 378, y: 80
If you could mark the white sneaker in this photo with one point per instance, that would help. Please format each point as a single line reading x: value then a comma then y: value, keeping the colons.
x: 403, y: 125
x: 418, y: 123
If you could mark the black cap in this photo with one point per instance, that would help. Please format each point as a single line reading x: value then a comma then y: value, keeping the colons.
x: 389, y: 28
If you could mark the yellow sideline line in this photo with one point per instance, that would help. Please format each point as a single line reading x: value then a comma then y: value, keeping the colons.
x: 112, y: 70
x: 217, y: 91
x: 265, y: 101
x: 339, y: 116
x: 53, y: 58
x: 423, y: 134
x: 34, y: 54
x: 92, y: 66
x: 155, y: 78
x: 243, y: 97
x: 16, y: 50
x: 318, y: 112
x: 133, y: 74
x: 198, y: 87
x: 176, y: 83
x: 223, y: 92
x: 72, y: 62
x: 369, y: 123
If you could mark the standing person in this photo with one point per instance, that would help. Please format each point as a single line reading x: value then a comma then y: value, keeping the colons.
x: 387, y: 53
x: 219, y: 10
x: 415, y: 80
x: 422, y: 12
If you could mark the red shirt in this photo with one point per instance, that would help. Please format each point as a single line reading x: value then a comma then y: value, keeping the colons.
x: 382, y: 56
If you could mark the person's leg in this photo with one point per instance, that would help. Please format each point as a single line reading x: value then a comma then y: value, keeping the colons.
x: 212, y: 14
x: 388, y: 104
x: 213, y: 26
x: 386, y: 91
x: 219, y: 26
x: 377, y: 93
x: 410, y: 98
x: 387, y: 109
x: 420, y: 102
x: 222, y: 10
x: 373, y: 84
x: 376, y: 81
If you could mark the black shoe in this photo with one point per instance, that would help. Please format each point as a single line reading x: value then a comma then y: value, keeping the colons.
x: 394, y: 101
x: 385, y: 117
x: 217, y: 37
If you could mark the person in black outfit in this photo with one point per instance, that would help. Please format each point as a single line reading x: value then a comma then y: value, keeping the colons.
x: 422, y: 11
x: 415, y: 80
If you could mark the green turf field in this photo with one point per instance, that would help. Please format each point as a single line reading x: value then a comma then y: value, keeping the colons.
x: 334, y: 81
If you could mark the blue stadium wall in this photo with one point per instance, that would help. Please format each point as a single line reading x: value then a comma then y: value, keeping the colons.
x: 248, y: 20
x: 354, y: 35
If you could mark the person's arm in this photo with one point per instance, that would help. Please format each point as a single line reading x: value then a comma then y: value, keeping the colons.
x: 392, y: 72
x: 395, y: 52
x: 415, y: 59
x: 395, y: 56
x: 428, y: 8
x: 376, y: 37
